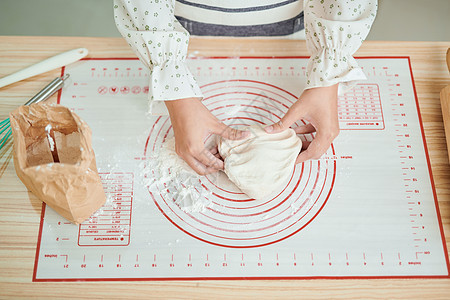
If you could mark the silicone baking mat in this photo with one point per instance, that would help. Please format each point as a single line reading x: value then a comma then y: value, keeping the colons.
x: 366, y: 209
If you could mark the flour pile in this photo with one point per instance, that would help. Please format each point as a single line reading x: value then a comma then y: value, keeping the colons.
x: 166, y: 174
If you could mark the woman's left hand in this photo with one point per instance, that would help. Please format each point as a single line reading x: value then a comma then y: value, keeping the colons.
x: 318, y: 106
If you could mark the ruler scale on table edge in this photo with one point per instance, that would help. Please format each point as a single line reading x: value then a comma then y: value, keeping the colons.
x: 433, y: 188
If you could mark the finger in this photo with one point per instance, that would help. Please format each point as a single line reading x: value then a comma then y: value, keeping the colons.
x: 198, y: 167
x: 307, y: 155
x: 289, y: 118
x: 231, y: 133
x: 215, y: 151
x: 304, y: 129
x: 315, y: 149
x: 209, y: 160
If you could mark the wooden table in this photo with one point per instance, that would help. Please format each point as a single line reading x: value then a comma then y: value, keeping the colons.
x: 20, y: 210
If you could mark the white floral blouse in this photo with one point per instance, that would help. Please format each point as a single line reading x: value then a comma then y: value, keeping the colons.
x: 334, y: 31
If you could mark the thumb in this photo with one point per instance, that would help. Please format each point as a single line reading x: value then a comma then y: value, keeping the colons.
x: 289, y: 118
x: 231, y: 133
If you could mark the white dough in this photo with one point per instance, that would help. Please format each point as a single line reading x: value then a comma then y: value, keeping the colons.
x: 261, y: 164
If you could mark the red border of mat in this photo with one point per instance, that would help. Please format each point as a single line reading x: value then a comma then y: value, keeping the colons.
x: 274, y: 277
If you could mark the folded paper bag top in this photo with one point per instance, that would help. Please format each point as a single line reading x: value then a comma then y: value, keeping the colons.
x: 53, y: 157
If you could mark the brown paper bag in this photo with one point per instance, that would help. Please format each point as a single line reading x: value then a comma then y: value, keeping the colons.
x: 53, y: 157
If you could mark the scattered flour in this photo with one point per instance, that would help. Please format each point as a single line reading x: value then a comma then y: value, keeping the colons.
x: 167, y: 174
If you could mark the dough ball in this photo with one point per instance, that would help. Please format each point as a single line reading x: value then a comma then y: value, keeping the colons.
x: 261, y: 164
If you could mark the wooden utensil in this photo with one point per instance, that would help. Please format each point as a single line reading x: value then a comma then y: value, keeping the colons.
x: 445, y: 106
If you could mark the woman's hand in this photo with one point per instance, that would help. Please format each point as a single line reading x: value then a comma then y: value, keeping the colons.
x: 192, y: 122
x: 318, y: 106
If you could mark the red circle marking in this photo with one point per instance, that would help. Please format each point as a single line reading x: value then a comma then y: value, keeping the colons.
x: 113, y: 89
x: 272, y: 225
x: 283, y: 210
x: 249, y: 87
x: 247, y: 246
x: 264, y: 220
x: 252, y: 81
x: 245, y: 93
x: 136, y: 89
x: 255, y: 245
x: 102, y: 90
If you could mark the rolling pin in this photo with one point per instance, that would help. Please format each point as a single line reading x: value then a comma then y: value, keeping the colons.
x: 51, y: 63
x: 445, y: 106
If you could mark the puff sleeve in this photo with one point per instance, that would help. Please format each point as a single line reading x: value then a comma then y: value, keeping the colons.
x: 334, y: 31
x: 161, y: 43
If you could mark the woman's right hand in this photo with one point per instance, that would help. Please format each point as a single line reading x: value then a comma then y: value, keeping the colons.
x: 192, y: 122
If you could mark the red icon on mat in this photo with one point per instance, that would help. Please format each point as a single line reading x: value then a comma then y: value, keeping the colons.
x: 136, y: 89
x: 114, y: 89
x: 102, y: 90
x: 125, y: 89
x: 145, y: 89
